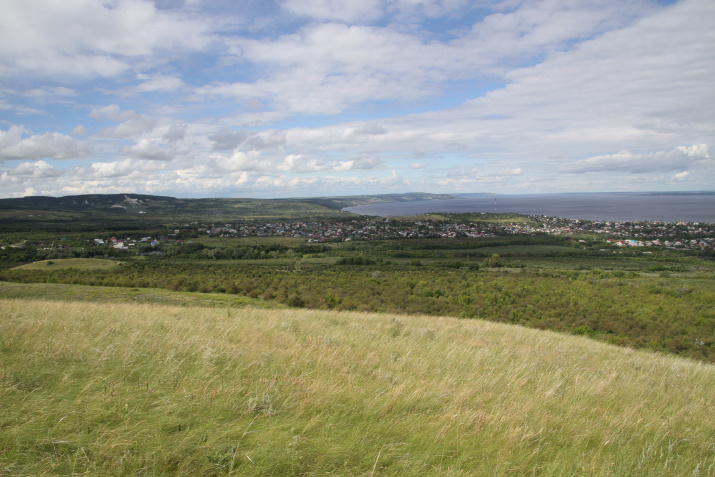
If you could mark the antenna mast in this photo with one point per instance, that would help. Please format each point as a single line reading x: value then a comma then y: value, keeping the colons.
x: 495, y: 205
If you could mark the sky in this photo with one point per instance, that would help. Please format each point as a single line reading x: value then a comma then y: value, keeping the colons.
x: 306, y: 98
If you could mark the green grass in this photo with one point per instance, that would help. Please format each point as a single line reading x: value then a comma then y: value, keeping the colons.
x: 79, y: 263
x: 535, y: 250
x: 245, y: 241
x: 98, y: 294
x: 136, y: 389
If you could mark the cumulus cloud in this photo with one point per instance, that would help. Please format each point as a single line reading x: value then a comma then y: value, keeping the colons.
x: 176, y: 132
x: 680, y: 158
x: 266, y: 140
x: 513, y: 92
x: 471, y: 178
x: 125, y: 169
x: 48, y: 145
x: 36, y: 170
x: 146, y: 149
x: 363, y: 163
x: 79, y: 131
x: 89, y: 38
x: 163, y: 83
x: 226, y: 139
x: 371, y: 129
x: 132, y: 125
x: 369, y: 11
x: 339, y: 10
x: 624, y: 87
x: 111, y: 111
x: 256, y: 161
x: 326, y: 68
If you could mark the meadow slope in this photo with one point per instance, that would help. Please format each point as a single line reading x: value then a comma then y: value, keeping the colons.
x: 141, y: 389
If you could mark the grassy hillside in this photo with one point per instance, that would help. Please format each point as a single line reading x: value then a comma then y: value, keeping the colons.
x: 128, y: 389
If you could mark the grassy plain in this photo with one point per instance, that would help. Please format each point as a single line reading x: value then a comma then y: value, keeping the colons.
x: 137, y: 389
x: 78, y: 263
x: 99, y: 294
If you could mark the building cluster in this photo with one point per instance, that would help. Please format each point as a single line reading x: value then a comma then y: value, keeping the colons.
x: 128, y: 243
x: 365, y: 229
x: 626, y: 234
x: 690, y: 236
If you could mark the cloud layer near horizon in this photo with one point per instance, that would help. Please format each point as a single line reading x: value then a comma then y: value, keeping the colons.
x: 325, y: 97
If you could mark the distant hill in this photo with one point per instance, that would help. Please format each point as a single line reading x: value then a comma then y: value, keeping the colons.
x: 91, y: 202
x: 161, y: 205
x: 99, y: 211
x: 149, y: 203
x: 353, y: 200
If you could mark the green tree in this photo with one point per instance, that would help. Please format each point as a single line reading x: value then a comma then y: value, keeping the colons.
x: 494, y: 261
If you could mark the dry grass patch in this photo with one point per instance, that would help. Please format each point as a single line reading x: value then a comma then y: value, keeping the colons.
x: 146, y: 389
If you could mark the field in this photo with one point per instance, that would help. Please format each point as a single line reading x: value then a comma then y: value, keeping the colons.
x: 147, y: 389
x: 663, y: 301
x: 87, y: 264
x: 287, y: 337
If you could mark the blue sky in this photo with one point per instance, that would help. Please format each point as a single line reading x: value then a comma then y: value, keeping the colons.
x: 299, y: 98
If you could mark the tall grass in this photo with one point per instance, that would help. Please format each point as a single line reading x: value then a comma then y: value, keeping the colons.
x: 127, y: 389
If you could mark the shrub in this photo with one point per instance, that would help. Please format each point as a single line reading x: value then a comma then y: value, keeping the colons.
x: 494, y: 261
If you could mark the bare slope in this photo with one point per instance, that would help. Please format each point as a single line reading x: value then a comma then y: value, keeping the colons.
x: 145, y: 389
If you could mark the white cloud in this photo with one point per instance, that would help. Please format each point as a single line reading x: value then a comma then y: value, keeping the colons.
x: 133, y: 125
x: 146, y: 149
x: 364, y: 162
x: 680, y: 158
x: 48, y: 145
x: 256, y: 161
x: 111, y: 111
x: 467, y: 179
x: 164, y: 83
x: 371, y: 129
x: 79, y: 131
x: 500, y: 94
x: 266, y: 140
x: 362, y: 11
x: 127, y: 169
x: 176, y: 132
x: 36, y: 170
x: 226, y: 139
x: 49, y: 93
x: 640, y: 85
x: 91, y: 38
x: 327, y: 68
x: 20, y: 110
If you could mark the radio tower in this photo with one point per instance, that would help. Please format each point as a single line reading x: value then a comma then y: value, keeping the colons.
x: 495, y: 205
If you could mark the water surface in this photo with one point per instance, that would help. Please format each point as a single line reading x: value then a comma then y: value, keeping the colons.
x: 625, y: 207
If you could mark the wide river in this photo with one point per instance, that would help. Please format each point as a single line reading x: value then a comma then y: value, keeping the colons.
x: 625, y: 207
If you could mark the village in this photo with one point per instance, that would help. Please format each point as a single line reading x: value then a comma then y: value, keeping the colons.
x: 683, y: 236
